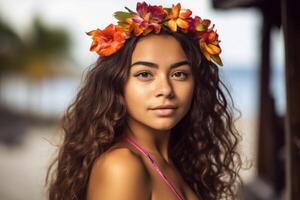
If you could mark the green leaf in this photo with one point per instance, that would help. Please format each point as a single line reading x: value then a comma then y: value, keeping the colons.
x: 122, y: 24
x: 217, y: 59
x: 122, y: 16
x: 201, y: 27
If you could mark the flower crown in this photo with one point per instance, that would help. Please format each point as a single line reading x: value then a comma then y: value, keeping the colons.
x: 149, y: 18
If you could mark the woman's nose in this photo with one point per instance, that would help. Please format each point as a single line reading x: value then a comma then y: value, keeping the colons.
x: 164, y: 87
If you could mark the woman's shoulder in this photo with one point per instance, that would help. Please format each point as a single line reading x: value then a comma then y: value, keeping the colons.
x: 121, y: 157
x: 119, y: 173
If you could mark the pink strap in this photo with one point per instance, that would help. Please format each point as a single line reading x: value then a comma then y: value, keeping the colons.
x: 149, y: 156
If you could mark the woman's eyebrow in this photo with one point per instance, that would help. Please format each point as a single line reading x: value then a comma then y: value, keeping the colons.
x: 154, y: 65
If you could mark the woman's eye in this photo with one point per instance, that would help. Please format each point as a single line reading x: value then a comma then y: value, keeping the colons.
x: 181, y: 75
x: 143, y: 75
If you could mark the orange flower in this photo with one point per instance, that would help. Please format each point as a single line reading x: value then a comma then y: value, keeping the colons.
x: 107, y: 41
x: 138, y: 30
x: 209, y: 45
x: 178, y: 18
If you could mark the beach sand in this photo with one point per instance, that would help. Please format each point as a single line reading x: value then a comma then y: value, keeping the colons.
x: 23, y: 168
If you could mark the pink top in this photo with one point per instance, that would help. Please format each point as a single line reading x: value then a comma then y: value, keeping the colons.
x: 155, y: 165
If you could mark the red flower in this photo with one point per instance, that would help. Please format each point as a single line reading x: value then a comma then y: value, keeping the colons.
x: 146, y: 19
x: 107, y: 41
x: 197, y: 24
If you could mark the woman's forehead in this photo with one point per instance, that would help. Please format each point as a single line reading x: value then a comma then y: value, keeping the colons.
x: 157, y: 49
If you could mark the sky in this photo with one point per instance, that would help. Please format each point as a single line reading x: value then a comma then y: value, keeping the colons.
x: 238, y: 29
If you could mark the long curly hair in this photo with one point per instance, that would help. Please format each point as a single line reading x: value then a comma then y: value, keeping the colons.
x: 203, y: 145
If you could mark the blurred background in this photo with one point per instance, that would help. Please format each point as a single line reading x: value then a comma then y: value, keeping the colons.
x: 44, y: 51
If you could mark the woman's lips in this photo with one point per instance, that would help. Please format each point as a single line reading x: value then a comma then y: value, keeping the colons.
x: 163, y: 112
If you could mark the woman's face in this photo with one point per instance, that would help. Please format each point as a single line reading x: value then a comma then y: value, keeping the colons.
x: 160, y: 75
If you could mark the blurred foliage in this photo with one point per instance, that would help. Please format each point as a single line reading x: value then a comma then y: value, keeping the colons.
x: 11, y: 47
x: 42, y: 52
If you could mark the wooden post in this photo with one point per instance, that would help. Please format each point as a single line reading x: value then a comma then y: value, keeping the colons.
x: 291, y: 30
x: 268, y: 130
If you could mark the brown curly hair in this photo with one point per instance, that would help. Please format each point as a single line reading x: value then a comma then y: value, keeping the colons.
x: 206, y: 154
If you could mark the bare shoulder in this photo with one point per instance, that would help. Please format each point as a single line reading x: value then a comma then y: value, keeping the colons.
x: 120, y: 161
x: 119, y: 174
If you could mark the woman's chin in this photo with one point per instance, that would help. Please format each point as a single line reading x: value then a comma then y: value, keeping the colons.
x: 163, y: 125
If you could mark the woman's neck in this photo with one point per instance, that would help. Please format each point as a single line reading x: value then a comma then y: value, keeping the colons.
x: 154, y: 141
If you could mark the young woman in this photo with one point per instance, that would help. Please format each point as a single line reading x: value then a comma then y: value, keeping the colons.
x: 151, y: 120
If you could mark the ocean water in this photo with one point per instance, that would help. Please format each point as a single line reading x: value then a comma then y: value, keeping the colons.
x: 52, y: 96
x: 243, y: 84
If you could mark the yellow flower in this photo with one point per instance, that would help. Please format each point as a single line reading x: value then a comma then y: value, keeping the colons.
x: 178, y: 18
